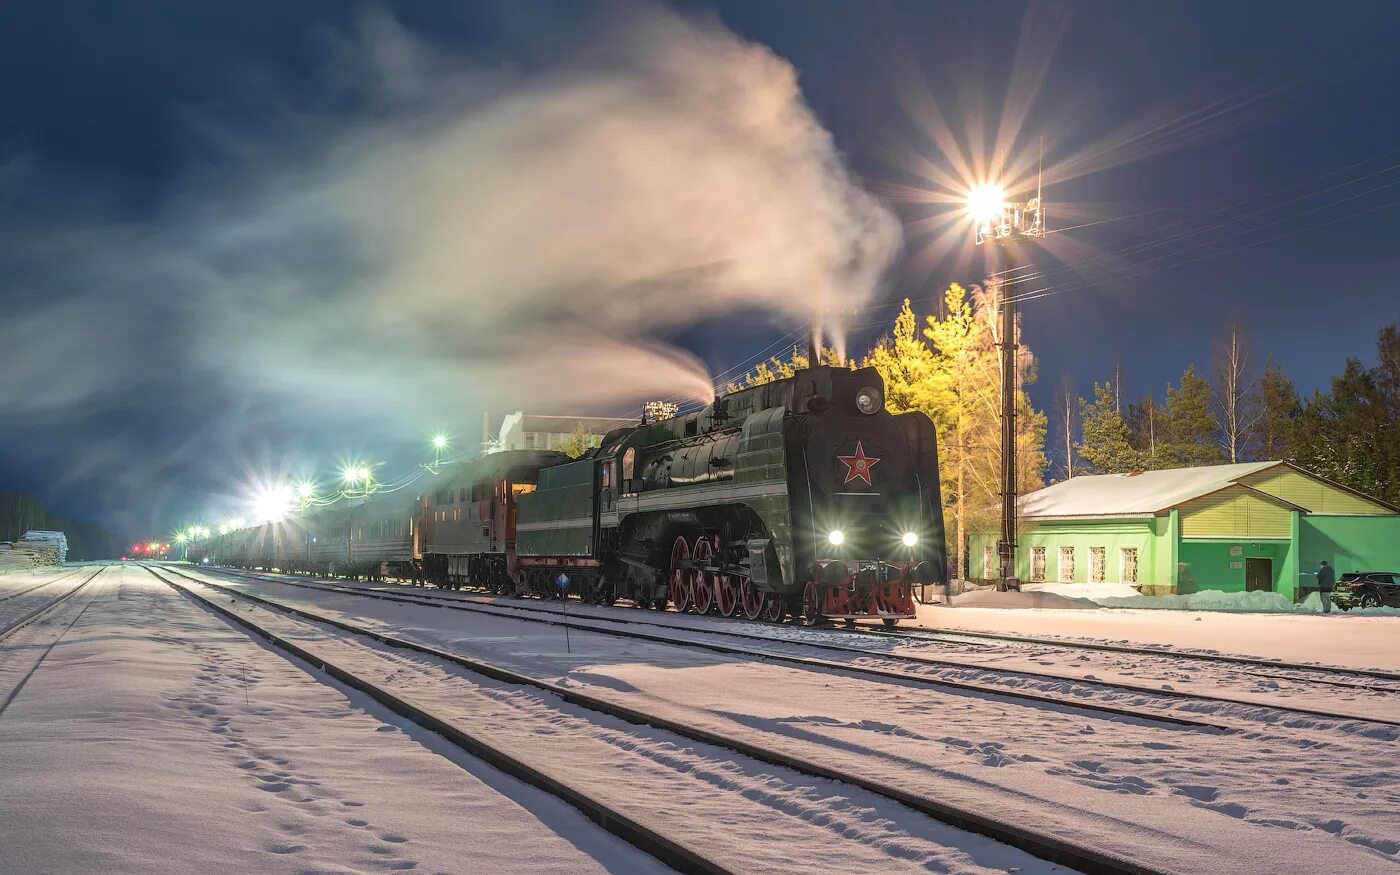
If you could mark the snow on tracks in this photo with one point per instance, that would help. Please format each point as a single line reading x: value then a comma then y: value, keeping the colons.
x: 1083, y: 692
x: 157, y: 739
x: 717, y: 795
x: 1309, y: 798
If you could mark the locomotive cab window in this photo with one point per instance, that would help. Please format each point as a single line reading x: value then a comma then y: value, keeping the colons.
x: 629, y: 468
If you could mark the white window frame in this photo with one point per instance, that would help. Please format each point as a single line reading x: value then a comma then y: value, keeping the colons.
x: 1066, y: 553
x: 1123, y: 554
x: 1098, y: 564
x: 990, y: 567
x: 1038, y: 565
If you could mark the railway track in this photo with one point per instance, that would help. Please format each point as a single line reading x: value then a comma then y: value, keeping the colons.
x: 32, y: 616
x: 27, y: 590
x: 1050, y: 847
x: 961, y: 635
x: 540, y: 614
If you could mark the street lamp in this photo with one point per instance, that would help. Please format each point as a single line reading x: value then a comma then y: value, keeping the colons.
x: 358, y: 474
x: 439, y: 444
x: 1005, y: 224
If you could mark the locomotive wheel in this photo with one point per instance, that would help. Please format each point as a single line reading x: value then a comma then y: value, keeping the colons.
x: 701, y: 581
x: 680, y: 577
x: 750, y: 600
x: 726, y: 595
x: 773, y: 607
x: 811, y: 606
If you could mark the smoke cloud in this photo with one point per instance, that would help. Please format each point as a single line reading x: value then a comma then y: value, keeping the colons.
x: 426, y: 236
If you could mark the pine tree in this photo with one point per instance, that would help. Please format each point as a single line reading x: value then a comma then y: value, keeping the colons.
x: 1146, y: 430
x: 578, y: 443
x: 1105, y: 447
x: 909, y: 368
x: 1279, y: 409
x: 1191, y: 424
x: 780, y: 369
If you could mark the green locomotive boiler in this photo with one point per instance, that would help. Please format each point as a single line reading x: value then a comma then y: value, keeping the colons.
x: 802, y: 496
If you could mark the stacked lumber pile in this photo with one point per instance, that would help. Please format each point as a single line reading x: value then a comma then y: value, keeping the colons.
x: 35, y: 550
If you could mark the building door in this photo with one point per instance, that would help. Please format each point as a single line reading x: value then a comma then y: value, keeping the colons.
x: 1258, y: 575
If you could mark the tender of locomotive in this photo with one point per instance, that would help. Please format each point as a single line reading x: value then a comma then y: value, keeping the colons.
x: 800, y: 496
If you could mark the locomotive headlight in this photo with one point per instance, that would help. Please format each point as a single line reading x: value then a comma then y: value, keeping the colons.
x: 868, y: 400
x: 836, y: 537
x: 910, y: 539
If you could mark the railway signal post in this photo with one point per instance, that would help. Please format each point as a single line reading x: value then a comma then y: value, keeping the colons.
x: 1006, y: 225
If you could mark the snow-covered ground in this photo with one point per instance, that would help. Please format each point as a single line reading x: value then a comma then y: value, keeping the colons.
x: 153, y: 737
x: 1300, y: 794
x: 1339, y: 638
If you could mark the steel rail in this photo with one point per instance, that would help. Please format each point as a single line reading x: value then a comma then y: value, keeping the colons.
x: 933, y: 635
x: 15, y: 595
x: 1048, y: 847
x: 45, y: 608
x: 432, y: 600
x: 668, y: 851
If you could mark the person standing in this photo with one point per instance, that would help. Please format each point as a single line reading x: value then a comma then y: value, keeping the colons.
x: 1326, y: 582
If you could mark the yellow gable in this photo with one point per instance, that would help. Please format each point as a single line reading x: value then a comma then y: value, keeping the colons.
x: 1318, y: 496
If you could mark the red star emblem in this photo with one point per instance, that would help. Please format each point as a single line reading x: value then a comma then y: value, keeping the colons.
x: 858, y: 466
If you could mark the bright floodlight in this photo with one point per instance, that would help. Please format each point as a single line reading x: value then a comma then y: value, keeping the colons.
x: 910, y: 539
x: 154, y: 547
x: 306, y: 489
x: 439, y: 441
x: 985, y: 202
x: 354, y: 474
x: 836, y: 537
x: 272, y: 505
x: 180, y: 537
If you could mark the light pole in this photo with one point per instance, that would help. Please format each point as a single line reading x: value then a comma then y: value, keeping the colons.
x: 1006, y: 225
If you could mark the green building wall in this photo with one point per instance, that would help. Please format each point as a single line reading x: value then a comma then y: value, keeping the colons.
x: 1146, y: 535
x: 1220, y: 564
x: 1349, y: 543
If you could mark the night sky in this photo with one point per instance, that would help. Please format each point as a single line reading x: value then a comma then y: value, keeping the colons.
x: 1227, y: 161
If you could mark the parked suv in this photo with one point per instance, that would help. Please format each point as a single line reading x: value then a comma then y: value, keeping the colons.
x: 1368, y: 589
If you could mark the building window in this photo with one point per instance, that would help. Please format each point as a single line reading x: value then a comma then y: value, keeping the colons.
x: 1097, y: 561
x: 989, y: 563
x: 1128, y: 559
x: 1038, y: 564
x: 532, y: 440
x: 1067, y: 565
x: 462, y: 494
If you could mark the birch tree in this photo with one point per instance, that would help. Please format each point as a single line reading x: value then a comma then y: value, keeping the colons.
x: 1236, y: 395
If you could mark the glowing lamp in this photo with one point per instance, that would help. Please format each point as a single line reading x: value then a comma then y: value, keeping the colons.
x: 985, y: 202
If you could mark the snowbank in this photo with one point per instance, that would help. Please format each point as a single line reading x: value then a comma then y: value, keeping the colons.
x: 1207, y: 600
x: 990, y: 598
x: 1094, y: 591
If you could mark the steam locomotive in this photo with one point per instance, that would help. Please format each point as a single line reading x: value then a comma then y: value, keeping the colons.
x: 800, y: 497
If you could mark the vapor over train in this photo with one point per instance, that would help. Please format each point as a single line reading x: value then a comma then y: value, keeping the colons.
x: 802, y: 497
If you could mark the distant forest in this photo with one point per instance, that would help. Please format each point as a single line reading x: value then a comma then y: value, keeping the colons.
x: 19, y: 513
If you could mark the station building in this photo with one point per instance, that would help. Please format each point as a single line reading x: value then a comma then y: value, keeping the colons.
x: 534, y: 431
x: 1249, y: 526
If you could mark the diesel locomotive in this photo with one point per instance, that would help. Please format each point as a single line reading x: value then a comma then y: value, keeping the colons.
x: 803, y: 496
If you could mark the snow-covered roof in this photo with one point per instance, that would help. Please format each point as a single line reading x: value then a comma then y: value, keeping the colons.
x: 1139, y: 494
